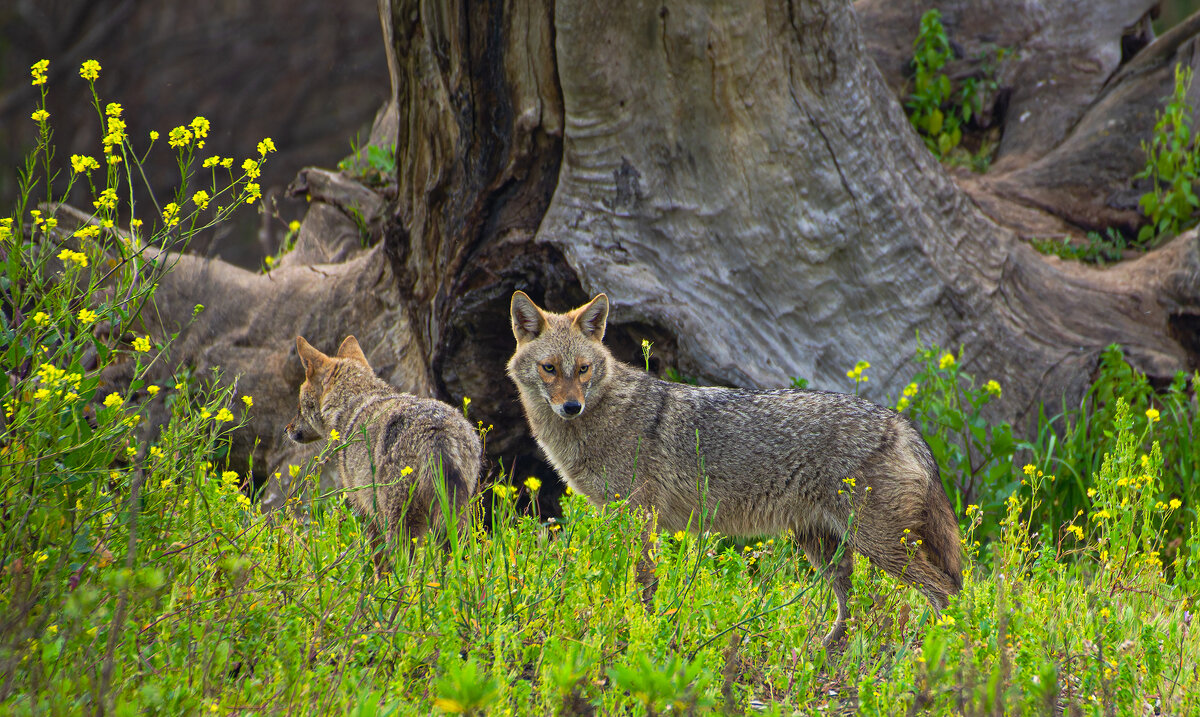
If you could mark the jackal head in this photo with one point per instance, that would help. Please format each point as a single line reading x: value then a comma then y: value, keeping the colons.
x: 560, y: 357
x: 320, y: 372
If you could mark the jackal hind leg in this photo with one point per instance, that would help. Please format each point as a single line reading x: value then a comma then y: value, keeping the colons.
x: 821, y: 549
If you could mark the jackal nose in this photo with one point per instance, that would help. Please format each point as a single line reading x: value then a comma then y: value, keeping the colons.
x: 572, y: 408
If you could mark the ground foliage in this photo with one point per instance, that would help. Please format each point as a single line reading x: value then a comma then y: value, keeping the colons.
x: 142, y: 578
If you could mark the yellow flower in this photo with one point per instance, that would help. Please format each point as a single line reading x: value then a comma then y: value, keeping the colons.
x: 293, y: 226
x: 253, y: 191
x: 334, y: 435
x: 910, y: 390
x: 533, y: 484
x: 106, y: 200
x: 201, y: 199
x: 179, y: 137
x: 1153, y: 415
x: 971, y: 509
x: 114, y: 109
x: 502, y: 491
x: 946, y: 361
x: 200, y: 127
x: 248, y: 400
x: 224, y: 416
x: 265, y: 146
x: 91, y: 231
x: 902, y: 403
x: 171, y: 214
x: 946, y: 620
x: 250, y: 167
x: 41, y: 394
x: 1175, y: 504
x: 40, y: 318
x: 89, y: 70
x: 38, y: 72
x: 86, y: 316
x: 81, y: 163
x: 67, y: 256
x: 153, y: 390
x: 205, y: 414
x: 113, y: 399
x: 1029, y: 469
x: 40, y: 115
x: 227, y: 162
x: 406, y: 470
x: 141, y: 344
x: 856, y: 373
x: 155, y: 452
x: 153, y: 135
x: 229, y: 476
x: 993, y: 388
x: 116, y: 131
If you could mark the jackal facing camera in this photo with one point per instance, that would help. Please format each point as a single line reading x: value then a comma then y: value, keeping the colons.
x: 394, y: 447
x: 833, y: 468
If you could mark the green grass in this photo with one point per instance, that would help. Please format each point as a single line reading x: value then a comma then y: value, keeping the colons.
x: 138, y: 577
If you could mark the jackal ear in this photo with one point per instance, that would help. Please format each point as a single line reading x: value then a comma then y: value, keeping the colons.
x: 592, y: 317
x: 310, y: 357
x: 527, y: 319
x: 351, y: 350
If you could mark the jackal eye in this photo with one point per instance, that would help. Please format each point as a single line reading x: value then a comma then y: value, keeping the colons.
x: 548, y: 368
x: 583, y: 369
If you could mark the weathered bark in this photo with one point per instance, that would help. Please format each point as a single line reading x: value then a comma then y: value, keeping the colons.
x: 744, y: 185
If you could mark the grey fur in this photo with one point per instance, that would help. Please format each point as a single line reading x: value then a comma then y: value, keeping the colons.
x: 385, y: 430
x: 766, y: 461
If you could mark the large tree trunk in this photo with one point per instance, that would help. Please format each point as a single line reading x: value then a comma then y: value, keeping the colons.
x: 743, y: 183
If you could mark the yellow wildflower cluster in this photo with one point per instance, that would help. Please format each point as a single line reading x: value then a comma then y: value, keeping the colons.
x: 141, y: 344
x: 39, y: 116
x: 1153, y: 415
x: 406, y: 470
x: 41, y: 318
x: 91, y: 231
x: 171, y: 214
x: 106, y: 200
x: 89, y: 70
x: 214, y: 160
x: 201, y: 198
x: 947, y: 361
x: 224, y: 416
x: 334, y: 435
x: 266, y: 146
x: 993, y: 388
x: 115, y: 133
x: 82, y: 163
x: 38, y: 72
x: 251, y: 168
x: 856, y: 373
x: 113, y: 400
x: 248, y: 400
x: 5, y: 228
x: 504, y: 491
x: 87, y: 316
x: 533, y: 484
x: 67, y: 256
x: 179, y: 137
x: 905, y: 400
x: 200, y: 127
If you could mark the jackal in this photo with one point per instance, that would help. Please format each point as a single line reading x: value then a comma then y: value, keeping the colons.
x: 833, y: 468
x: 394, y: 445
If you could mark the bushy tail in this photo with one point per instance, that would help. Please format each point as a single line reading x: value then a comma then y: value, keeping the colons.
x: 941, y: 532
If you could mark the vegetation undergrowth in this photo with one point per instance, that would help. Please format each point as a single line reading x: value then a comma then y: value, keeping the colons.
x: 939, y: 108
x: 1172, y: 165
x: 137, y: 576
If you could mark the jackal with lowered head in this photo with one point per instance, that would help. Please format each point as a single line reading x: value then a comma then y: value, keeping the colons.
x: 842, y: 473
x: 395, y: 447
